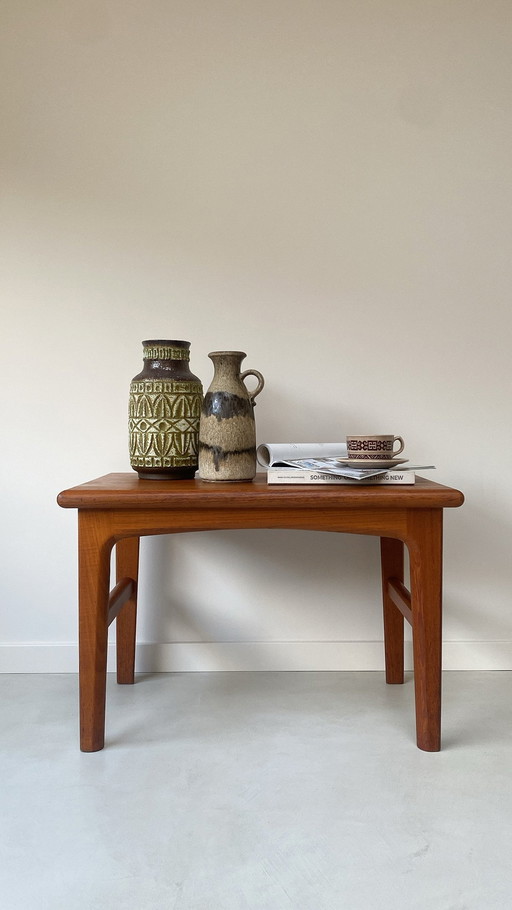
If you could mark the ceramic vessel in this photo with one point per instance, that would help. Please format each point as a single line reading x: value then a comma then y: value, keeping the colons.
x: 164, y: 413
x: 227, y: 433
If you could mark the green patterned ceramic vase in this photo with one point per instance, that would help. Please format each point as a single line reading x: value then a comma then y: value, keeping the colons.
x: 164, y: 413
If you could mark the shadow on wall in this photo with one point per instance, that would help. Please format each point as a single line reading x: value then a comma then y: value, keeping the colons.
x: 256, y: 586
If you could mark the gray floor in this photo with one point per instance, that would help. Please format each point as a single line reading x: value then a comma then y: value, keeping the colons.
x: 267, y: 791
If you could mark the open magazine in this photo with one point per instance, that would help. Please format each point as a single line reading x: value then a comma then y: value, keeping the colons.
x: 334, y: 466
x: 313, y: 456
x: 323, y: 457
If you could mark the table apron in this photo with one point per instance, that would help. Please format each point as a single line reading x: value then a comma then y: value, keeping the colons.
x: 117, y: 524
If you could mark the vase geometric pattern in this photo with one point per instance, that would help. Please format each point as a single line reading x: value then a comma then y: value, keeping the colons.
x: 163, y: 423
x: 165, y: 352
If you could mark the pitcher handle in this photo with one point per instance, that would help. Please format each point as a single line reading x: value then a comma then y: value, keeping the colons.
x: 261, y: 383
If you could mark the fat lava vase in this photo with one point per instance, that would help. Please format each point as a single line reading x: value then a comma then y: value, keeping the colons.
x: 227, y: 432
x: 164, y: 413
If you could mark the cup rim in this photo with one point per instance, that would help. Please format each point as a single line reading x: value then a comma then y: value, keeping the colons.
x: 371, y: 436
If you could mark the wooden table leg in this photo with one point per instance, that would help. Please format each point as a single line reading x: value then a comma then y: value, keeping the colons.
x: 392, y: 566
x: 94, y: 549
x: 127, y: 566
x: 425, y: 549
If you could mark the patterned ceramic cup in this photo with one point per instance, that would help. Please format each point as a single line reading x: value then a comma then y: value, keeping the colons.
x: 373, y: 448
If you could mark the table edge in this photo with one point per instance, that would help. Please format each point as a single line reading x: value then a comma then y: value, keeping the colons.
x: 195, y: 494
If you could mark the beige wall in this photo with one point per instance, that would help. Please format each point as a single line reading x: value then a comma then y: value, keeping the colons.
x: 325, y: 185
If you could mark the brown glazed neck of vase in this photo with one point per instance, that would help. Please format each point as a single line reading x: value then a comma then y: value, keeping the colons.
x: 164, y: 358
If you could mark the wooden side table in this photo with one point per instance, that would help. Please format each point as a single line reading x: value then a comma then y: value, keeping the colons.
x: 118, y: 509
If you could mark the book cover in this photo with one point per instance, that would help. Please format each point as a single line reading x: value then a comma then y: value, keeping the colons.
x: 297, y: 475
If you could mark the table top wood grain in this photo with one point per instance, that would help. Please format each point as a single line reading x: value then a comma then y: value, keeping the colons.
x: 126, y: 491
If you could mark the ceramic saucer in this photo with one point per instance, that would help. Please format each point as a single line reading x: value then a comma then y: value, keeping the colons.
x: 373, y: 462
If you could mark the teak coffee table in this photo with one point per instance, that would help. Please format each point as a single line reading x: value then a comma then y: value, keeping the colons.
x: 118, y: 509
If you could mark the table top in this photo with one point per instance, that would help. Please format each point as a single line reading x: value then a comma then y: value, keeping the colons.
x: 126, y: 491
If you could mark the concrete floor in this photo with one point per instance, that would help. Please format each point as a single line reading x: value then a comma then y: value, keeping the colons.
x: 256, y: 791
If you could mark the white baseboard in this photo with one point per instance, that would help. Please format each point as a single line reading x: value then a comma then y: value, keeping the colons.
x: 179, y: 657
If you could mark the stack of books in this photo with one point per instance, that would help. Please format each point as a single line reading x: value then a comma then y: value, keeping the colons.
x: 323, y: 463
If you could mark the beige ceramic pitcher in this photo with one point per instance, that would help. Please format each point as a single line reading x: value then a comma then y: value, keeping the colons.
x: 227, y: 433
